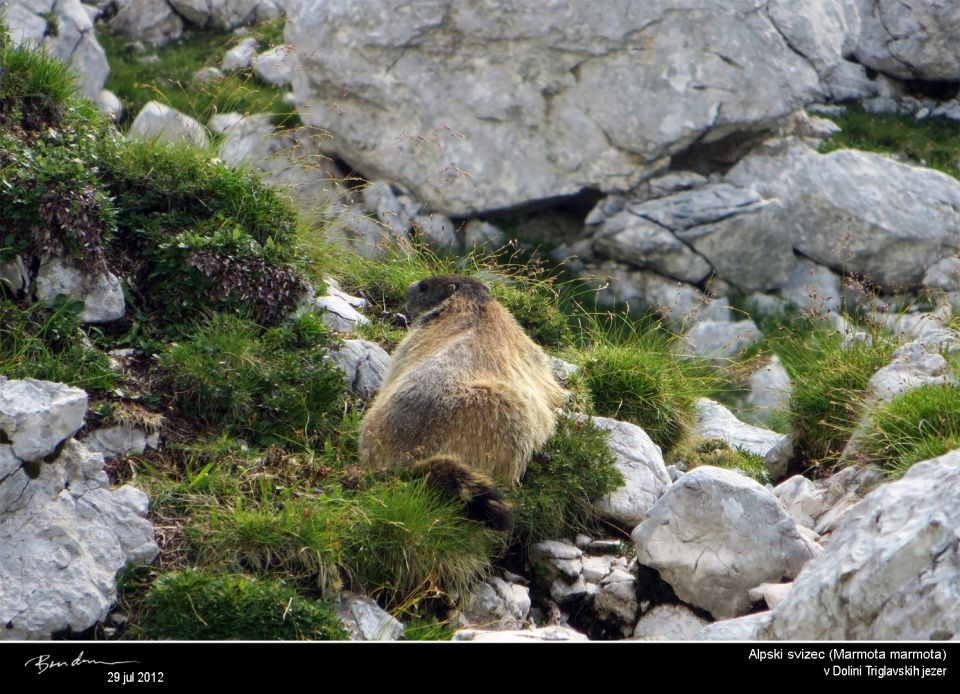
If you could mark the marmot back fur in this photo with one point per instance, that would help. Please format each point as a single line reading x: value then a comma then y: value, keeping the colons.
x: 468, y: 397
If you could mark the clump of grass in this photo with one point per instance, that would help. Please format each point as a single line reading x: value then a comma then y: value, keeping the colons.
x: 49, y: 345
x: 694, y: 452
x: 920, y: 424
x: 301, y: 541
x: 404, y: 544
x: 829, y: 384
x: 645, y: 381
x: 932, y: 142
x: 34, y: 86
x: 170, y: 79
x: 557, y: 494
x: 192, y: 605
x: 275, y: 386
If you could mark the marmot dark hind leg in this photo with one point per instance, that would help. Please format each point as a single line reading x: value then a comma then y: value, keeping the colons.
x: 481, y: 498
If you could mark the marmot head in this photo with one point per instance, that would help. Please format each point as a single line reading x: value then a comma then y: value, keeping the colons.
x: 430, y: 293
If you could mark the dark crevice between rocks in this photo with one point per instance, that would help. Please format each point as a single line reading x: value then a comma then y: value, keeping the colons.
x: 719, y: 156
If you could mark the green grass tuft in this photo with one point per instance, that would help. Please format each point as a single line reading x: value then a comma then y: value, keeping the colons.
x: 716, y: 453
x: 191, y: 605
x: 646, y: 382
x: 829, y: 384
x: 50, y: 345
x: 404, y: 543
x: 277, y: 386
x: 574, y: 469
x: 920, y: 424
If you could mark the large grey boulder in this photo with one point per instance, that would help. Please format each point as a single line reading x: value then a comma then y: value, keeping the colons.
x: 912, y: 366
x: 36, y: 417
x: 770, y: 388
x: 910, y: 40
x: 275, y: 65
x: 715, y: 535
x: 892, y: 569
x: 65, y: 30
x: 858, y: 211
x: 101, y: 294
x: 159, y: 122
x: 721, y: 340
x: 150, y: 21
x: 64, y: 535
x: 474, y: 106
x: 645, y: 475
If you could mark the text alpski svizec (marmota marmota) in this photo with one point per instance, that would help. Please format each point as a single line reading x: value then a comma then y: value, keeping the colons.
x: 468, y: 397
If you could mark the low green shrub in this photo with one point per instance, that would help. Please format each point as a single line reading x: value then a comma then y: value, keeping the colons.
x: 191, y: 605
x: 277, y: 386
x: 556, y: 495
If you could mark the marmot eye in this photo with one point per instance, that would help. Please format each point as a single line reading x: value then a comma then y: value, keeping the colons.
x: 423, y: 286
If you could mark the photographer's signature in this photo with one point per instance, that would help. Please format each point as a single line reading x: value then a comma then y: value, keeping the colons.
x: 43, y: 662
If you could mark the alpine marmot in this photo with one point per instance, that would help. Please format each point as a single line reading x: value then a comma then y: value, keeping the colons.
x: 467, y: 400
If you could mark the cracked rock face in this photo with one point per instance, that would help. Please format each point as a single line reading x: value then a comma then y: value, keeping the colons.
x: 64, y: 535
x: 892, y: 568
x: 365, y: 620
x: 715, y: 535
x: 910, y: 40
x: 37, y: 416
x: 496, y: 604
x: 476, y: 106
x: 860, y: 212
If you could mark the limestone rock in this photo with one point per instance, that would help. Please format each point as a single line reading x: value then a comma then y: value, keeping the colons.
x: 36, y: 417
x: 546, y: 111
x: 858, y: 211
x: 364, y: 620
x: 158, y: 122
x: 64, y: 535
x: 804, y: 501
x: 669, y: 623
x: 645, y: 476
x: 891, y: 569
x: 916, y: 40
x: 912, y: 366
x: 102, y: 295
x: 364, y: 364
x: 496, y: 604
x: 739, y: 629
x: 770, y: 388
x: 240, y: 56
x: 551, y: 633
x: 275, y: 65
x: 147, y: 20
x: 721, y: 339
x: 109, y: 103
x: 714, y: 421
x: 715, y: 535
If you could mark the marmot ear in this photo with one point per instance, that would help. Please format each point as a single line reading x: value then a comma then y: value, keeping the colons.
x: 451, y: 288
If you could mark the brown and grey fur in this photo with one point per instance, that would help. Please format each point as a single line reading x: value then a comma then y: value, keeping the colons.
x: 468, y: 397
